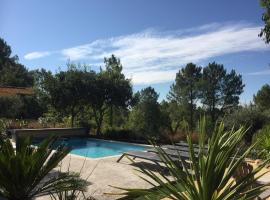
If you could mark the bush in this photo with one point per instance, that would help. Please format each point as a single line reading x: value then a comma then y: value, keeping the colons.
x: 250, y: 117
x: 4, y: 124
x: 123, y: 134
x: 262, y: 137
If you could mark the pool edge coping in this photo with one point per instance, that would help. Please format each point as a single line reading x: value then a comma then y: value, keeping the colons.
x: 148, y: 145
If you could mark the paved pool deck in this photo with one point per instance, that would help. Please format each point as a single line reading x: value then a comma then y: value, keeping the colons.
x: 106, y: 172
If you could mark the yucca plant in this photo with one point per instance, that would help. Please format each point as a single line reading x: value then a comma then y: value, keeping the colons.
x: 209, y: 174
x: 24, y: 171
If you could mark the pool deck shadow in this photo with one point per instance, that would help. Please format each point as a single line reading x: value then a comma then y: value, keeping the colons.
x: 104, y: 173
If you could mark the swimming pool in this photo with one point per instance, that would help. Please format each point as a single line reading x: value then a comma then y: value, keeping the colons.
x: 96, y: 148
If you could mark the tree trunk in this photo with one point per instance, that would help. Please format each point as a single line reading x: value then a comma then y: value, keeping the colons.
x: 213, y: 112
x: 111, y: 116
x: 98, y: 131
x: 191, y: 111
x: 72, y: 120
x: 99, y: 124
x: 98, y: 119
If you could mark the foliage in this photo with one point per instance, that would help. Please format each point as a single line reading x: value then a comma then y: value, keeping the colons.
x: 186, y: 89
x: 210, y: 175
x: 145, y: 117
x: 173, y: 117
x: 70, y: 195
x: 66, y: 91
x: 20, y: 106
x: 213, y: 86
x: 12, y: 73
x: 220, y: 89
x: 4, y: 124
x: 123, y: 134
x: 50, y: 118
x: 265, y: 31
x: 97, y: 98
x: 250, y: 117
x: 23, y: 170
x: 262, y: 97
x: 79, y: 90
x: 10, y: 106
x: 111, y: 91
x: 262, y: 140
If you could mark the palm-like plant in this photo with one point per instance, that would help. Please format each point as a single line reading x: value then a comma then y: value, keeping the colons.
x: 24, y: 171
x: 210, y: 173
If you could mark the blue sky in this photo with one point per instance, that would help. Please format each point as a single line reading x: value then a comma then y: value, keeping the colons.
x: 153, y: 38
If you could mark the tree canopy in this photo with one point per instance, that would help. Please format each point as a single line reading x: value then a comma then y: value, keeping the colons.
x: 146, y: 115
x: 186, y: 89
x: 262, y: 98
x: 265, y: 31
x: 220, y: 89
x: 12, y: 73
x: 76, y: 90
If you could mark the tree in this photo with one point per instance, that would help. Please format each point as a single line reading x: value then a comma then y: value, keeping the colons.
x: 24, y: 170
x: 97, y: 97
x: 66, y: 91
x: 173, y: 116
x: 12, y: 73
x: 10, y: 106
x: 265, y: 31
x: 233, y: 87
x: 120, y: 90
x: 262, y: 98
x: 108, y: 90
x: 220, y: 89
x: 186, y: 91
x: 145, y: 117
x: 248, y: 116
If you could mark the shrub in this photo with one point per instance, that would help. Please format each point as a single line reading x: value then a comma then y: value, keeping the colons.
x: 262, y: 140
x: 248, y: 116
x: 123, y: 134
x: 4, y: 124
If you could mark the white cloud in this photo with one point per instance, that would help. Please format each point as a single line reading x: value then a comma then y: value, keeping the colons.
x: 154, y: 56
x: 36, y: 55
x: 258, y: 73
x: 151, y: 77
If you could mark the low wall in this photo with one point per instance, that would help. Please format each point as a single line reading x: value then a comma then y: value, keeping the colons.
x: 45, y: 132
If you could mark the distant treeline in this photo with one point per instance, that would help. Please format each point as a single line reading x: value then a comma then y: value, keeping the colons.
x: 104, y: 100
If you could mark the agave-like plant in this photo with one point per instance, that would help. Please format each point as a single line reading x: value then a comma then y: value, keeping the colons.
x: 210, y: 174
x: 25, y: 171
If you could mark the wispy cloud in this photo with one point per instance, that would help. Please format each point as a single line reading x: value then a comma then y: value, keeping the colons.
x: 36, y: 55
x: 154, y: 56
x: 259, y: 73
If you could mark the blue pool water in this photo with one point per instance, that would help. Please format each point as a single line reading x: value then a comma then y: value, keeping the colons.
x: 95, y: 148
